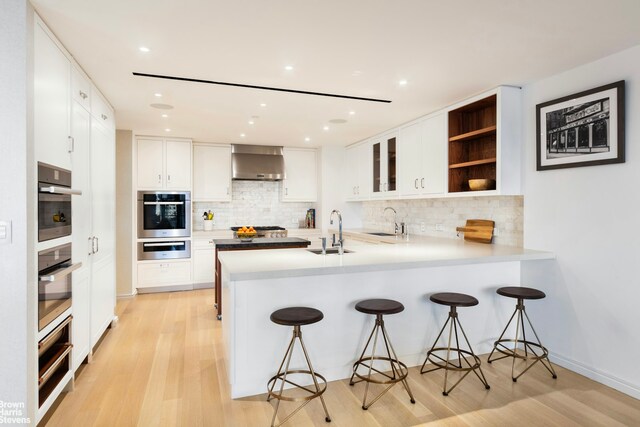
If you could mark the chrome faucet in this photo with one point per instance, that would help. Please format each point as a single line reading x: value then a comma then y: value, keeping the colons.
x: 340, y: 243
x: 398, y: 228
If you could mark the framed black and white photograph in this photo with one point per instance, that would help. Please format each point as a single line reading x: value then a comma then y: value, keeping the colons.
x: 583, y: 129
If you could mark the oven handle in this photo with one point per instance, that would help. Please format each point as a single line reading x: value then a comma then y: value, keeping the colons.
x: 59, y: 358
x: 163, y: 203
x: 60, y: 190
x: 149, y: 245
x: 53, y: 333
x: 60, y: 273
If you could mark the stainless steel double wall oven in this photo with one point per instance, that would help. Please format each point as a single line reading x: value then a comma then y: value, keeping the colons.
x: 163, y: 214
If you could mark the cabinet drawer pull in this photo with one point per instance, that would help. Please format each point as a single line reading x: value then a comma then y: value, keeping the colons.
x: 64, y: 351
x: 83, y: 95
x: 72, y: 144
x: 422, y: 182
x: 416, y: 183
x: 104, y: 117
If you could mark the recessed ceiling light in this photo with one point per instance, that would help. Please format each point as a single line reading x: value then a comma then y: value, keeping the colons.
x: 157, y: 95
x: 242, y: 135
x: 351, y: 113
x: 167, y: 130
x: 338, y: 121
x: 144, y: 49
x: 402, y: 82
x: 288, y: 67
x: 307, y: 139
x: 165, y: 116
x: 161, y: 106
x: 251, y: 122
x: 325, y: 128
x: 356, y: 73
x: 263, y: 105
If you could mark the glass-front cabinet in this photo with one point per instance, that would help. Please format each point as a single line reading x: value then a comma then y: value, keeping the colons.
x: 384, y: 150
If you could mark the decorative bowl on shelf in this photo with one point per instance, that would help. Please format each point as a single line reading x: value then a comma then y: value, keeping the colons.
x: 482, y: 184
x: 245, y: 239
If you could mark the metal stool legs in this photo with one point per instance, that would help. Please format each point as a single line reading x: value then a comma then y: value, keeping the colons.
x: 446, y: 364
x: 399, y: 370
x: 528, y: 346
x: 314, y: 391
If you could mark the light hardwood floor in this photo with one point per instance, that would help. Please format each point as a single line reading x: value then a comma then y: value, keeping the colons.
x: 163, y: 365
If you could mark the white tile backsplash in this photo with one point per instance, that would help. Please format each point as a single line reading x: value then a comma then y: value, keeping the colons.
x: 253, y: 203
x: 506, y: 211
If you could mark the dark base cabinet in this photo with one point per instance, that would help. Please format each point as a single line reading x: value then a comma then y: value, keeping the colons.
x: 256, y: 244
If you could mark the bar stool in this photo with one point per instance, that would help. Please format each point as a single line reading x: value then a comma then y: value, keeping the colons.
x: 521, y: 294
x: 399, y: 371
x: 454, y: 300
x: 296, y: 317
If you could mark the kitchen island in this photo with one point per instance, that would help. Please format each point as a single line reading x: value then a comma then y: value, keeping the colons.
x: 256, y: 283
x: 239, y: 245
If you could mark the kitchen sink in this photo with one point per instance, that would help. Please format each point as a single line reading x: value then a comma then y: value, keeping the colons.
x: 382, y: 234
x: 330, y: 251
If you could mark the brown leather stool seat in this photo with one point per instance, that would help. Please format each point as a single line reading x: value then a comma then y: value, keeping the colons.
x: 471, y: 361
x: 399, y: 371
x: 296, y: 317
x: 530, y: 350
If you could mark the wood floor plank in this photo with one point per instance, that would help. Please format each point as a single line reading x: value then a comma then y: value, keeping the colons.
x: 164, y: 365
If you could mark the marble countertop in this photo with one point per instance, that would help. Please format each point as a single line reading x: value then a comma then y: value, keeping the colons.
x: 371, y: 253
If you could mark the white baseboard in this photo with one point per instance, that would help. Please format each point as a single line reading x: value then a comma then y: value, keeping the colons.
x: 597, y: 375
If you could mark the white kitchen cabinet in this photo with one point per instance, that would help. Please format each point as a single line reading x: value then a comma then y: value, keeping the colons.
x: 51, y: 100
x: 163, y: 164
x: 82, y: 232
x: 80, y: 88
x: 422, y: 157
x: 358, y: 170
x: 103, y: 272
x: 101, y: 110
x: 211, y: 172
x: 203, y: 259
x: 384, y: 162
x: 164, y: 273
x: 301, y: 175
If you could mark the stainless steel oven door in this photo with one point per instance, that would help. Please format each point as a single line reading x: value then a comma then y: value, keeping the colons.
x: 54, y: 202
x: 54, y: 283
x: 164, y: 214
x: 174, y: 249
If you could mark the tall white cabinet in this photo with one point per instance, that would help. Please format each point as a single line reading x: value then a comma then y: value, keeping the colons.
x: 74, y: 129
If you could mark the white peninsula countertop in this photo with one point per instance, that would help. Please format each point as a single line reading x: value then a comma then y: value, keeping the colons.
x: 378, y: 254
x: 257, y: 282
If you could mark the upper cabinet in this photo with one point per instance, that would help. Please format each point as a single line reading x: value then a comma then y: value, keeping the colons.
x: 357, y: 167
x: 211, y: 172
x: 484, y: 143
x: 384, y: 150
x: 301, y: 175
x: 51, y: 100
x: 164, y: 164
x: 422, y: 157
x: 437, y: 156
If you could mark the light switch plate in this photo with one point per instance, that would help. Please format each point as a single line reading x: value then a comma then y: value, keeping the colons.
x: 5, y: 232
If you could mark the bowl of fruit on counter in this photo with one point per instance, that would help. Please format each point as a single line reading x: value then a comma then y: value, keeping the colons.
x: 246, y: 234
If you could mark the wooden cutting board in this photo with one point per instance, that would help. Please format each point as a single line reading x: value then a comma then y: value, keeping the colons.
x: 477, y: 230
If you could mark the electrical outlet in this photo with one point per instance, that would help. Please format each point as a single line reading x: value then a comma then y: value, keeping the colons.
x: 422, y: 227
x: 439, y: 227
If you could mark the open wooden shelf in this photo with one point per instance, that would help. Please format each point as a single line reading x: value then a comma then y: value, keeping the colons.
x: 474, y: 134
x: 472, y: 163
x: 472, y: 143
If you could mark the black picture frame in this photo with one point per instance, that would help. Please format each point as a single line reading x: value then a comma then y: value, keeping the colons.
x: 582, y: 129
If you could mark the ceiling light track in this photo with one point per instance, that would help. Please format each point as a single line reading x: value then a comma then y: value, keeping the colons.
x: 277, y: 89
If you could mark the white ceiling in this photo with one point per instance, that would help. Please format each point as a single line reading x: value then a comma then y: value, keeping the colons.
x: 446, y: 50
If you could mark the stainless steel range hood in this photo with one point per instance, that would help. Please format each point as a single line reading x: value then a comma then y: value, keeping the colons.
x: 257, y: 163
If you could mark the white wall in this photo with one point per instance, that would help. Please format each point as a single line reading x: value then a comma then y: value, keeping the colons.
x: 124, y: 213
x: 17, y: 319
x: 588, y: 216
